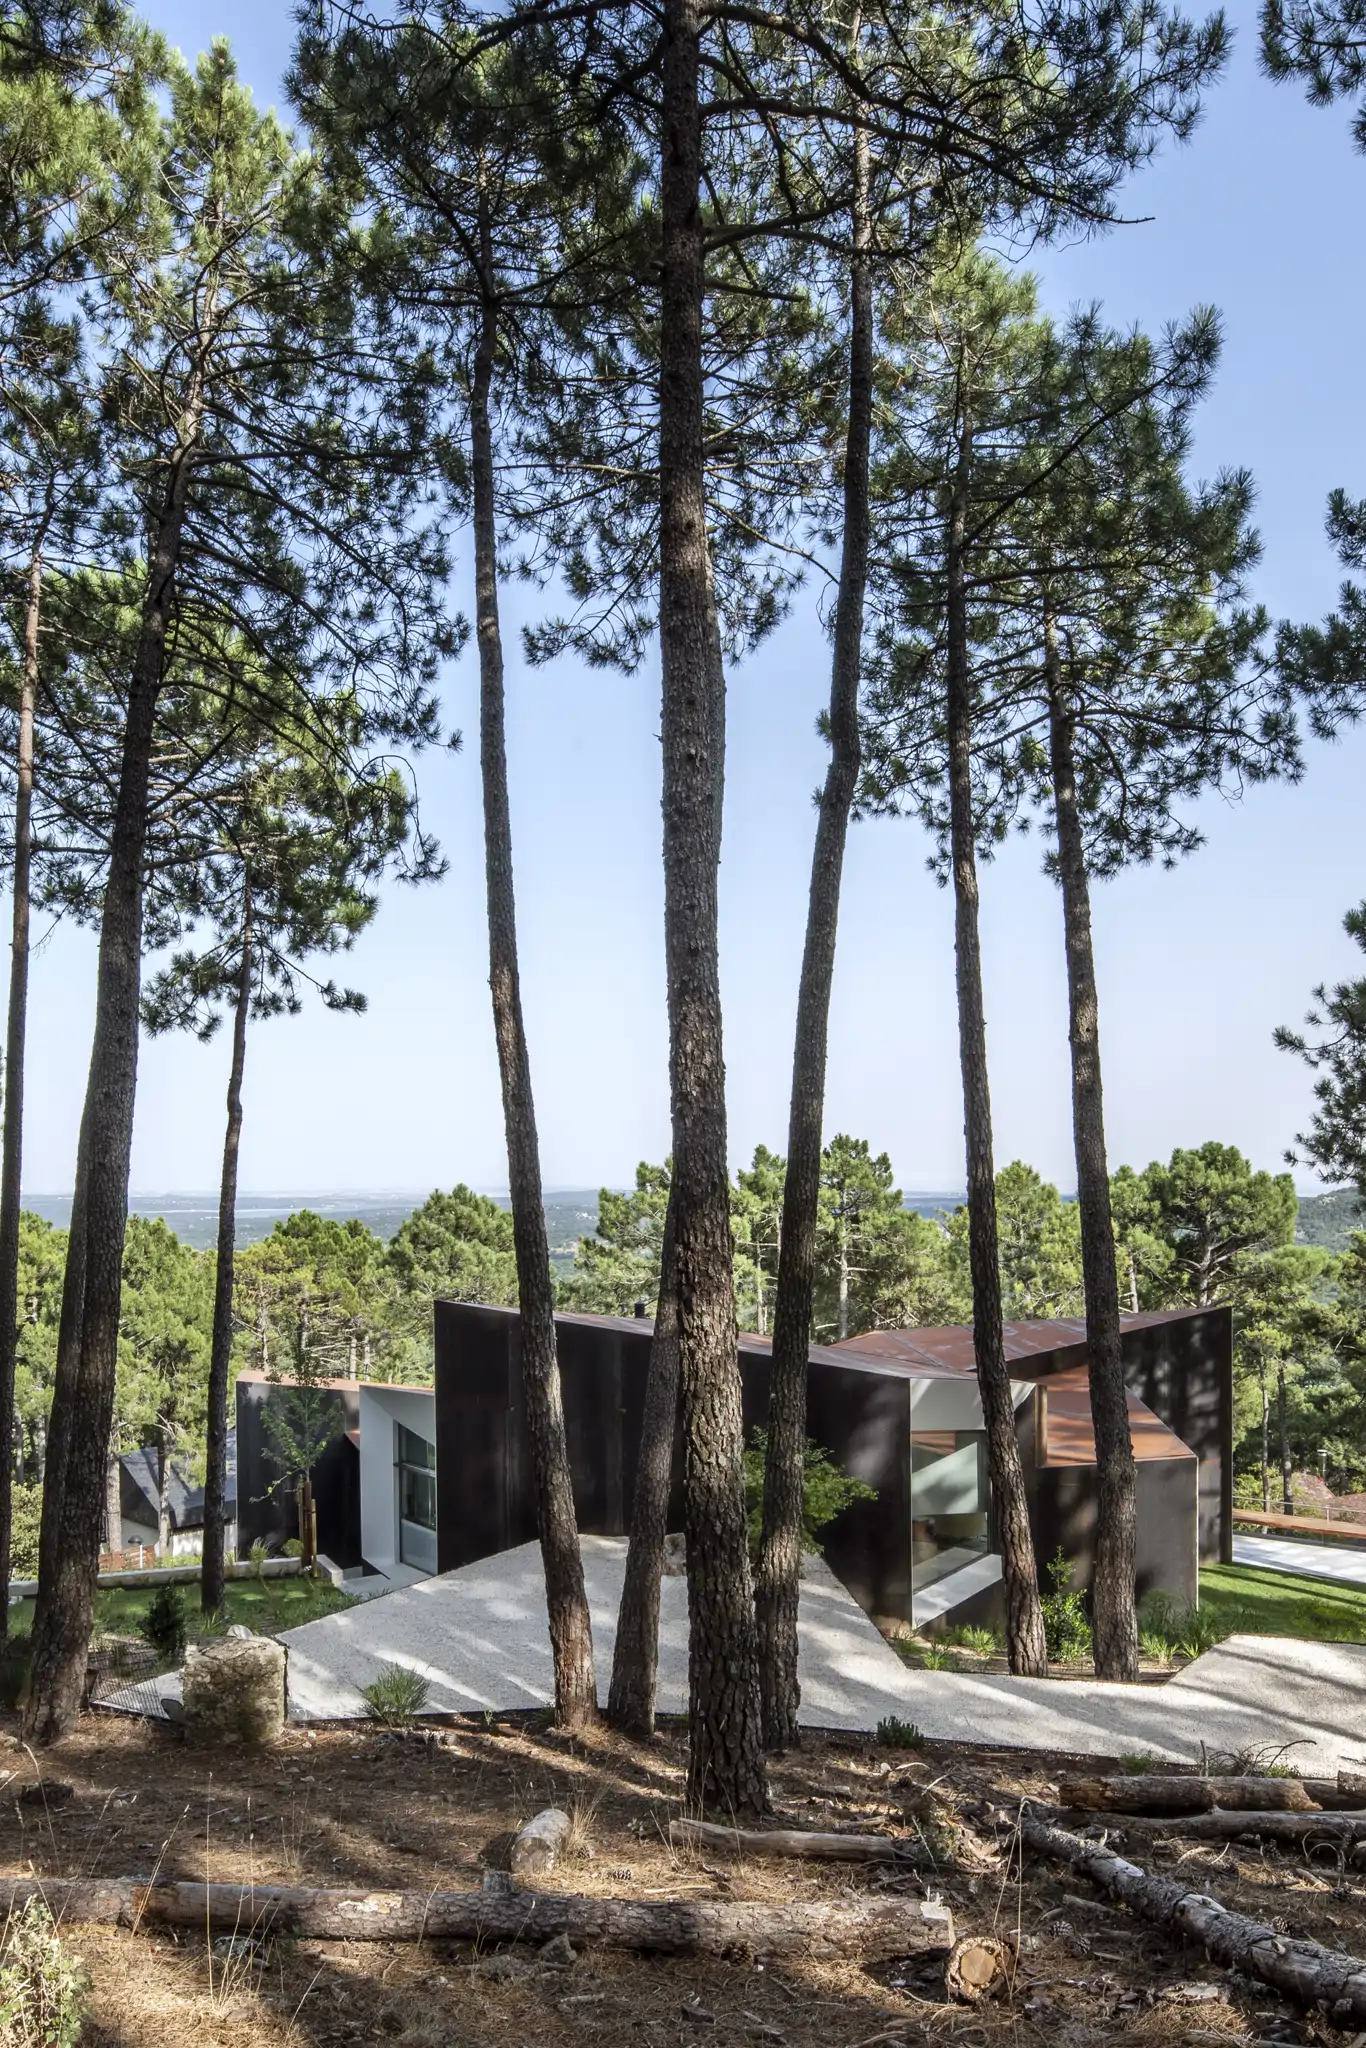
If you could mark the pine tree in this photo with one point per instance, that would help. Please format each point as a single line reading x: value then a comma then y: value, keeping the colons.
x: 285, y: 867
x: 256, y: 441
x: 485, y: 164
x: 1104, y: 602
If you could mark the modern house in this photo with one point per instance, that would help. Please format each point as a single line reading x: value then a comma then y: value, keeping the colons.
x: 428, y: 1479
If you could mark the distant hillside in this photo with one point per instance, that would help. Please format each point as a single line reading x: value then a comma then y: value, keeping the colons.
x: 1329, y: 1220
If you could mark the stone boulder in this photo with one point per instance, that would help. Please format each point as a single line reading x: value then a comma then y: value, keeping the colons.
x: 233, y: 1689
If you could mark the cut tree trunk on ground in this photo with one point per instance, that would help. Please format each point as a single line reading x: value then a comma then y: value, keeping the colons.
x: 536, y: 1846
x: 978, y: 1967
x: 807, y: 1847
x: 1303, y: 1970
x: 885, y: 1927
x: 1147, y: 1792
x: 1272, y: 1827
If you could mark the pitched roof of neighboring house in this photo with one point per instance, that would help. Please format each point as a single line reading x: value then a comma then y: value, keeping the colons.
x: 184, y: 1498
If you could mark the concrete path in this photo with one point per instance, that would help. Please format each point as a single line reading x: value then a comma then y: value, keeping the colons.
x: 1343, y: 1561
x: 479, y: 1636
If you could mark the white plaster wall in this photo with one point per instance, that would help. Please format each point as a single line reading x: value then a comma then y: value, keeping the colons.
x: 954, y: 1404
x: 380, y: 1409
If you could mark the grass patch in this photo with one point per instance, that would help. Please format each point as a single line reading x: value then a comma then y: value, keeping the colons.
x: 1245, y: 1600
x: 266, y: 1606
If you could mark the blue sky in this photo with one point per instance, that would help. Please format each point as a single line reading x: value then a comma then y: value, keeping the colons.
x: 1260, y: 214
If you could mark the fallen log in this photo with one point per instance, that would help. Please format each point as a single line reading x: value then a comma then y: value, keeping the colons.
x: 1317, y: 1977
x: 536, y: 1846
x: 1342, y: 1828
x: 1152, y: 1792
x: 720, y: 1927
x: 806, y: 1845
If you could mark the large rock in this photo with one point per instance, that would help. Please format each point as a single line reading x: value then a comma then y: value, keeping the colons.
x: 234, y: 1689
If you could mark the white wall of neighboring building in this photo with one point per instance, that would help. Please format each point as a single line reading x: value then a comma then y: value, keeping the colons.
x: 380, y: 1409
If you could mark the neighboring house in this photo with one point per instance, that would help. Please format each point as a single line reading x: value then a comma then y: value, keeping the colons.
x: 426, y: 1479
x: 184, y: 1499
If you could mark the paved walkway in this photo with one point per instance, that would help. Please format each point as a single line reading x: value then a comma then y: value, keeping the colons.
x: 1344, y: 1561
x: 479, y: 1637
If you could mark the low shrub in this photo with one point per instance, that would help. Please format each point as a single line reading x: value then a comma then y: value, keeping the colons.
x: 826, y: 1490
x: 986, y: 1642
x: 1067, y: 1632
x: 1154, y: 1647
x: 293, y: 1548
x: 15, y: 1652
x: 42, y: 1988
x: 894, y: 1733
x: 1199, y: 1632
x: 397, y: 1696
x: 165, y: 1625
x: 26, y: 1516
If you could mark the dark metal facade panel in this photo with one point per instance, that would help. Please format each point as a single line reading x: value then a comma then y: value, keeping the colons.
x: 272, y: 1517
x: 1181, y: 1366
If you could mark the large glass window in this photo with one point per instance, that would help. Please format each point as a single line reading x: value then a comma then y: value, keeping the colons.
x: 415, y: 1460
x: 949, y: 1502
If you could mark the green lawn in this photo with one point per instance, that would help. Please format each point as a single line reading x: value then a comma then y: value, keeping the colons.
x: 1243, y: 1600
x: 265, y: 1605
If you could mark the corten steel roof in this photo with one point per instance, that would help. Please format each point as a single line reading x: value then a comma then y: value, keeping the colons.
x: 1034, y: 1350
x: 843, y: 1355
x: 948, y: 1349
x: 1068, y: 1437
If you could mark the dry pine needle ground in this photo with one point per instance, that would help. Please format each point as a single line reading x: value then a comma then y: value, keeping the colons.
x: 347, y: 1808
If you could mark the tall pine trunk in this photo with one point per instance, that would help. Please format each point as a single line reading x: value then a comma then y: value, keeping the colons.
x: 87, y: 1339
x: 780, y: 1551
x: 635, y: 1658
x: 571, y: 1634
x: 213, y: 1575
x: 1114, y: 1624
x: 11, y: 1168
x: 1024, y: 1615
x: 1266, y: 1441
x: 1283, y: 1429
x: 725, y: 1750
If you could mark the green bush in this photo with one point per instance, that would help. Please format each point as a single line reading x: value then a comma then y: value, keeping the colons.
x: 292, y: 1549
x: 25, y: 1516
x: 1067, y: 1632
x: 1161, y: 1614
x: 165, y: 1624
x: 42, y: 1988
x: 1199, y: 1632
x: 894, y: 1733
x: 14, y: 1662
x: 985, y: 1641
x: 397, y: 1696
x: 826, y: 1490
